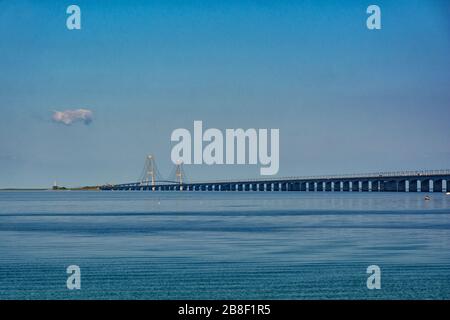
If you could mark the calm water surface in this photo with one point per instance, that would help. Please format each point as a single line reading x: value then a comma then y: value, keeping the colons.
x: 235, y: 245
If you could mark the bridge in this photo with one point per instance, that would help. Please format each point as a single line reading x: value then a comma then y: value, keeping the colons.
x: 402, y: 181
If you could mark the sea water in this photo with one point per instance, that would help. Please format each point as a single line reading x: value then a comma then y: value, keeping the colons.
x: 224, y: 245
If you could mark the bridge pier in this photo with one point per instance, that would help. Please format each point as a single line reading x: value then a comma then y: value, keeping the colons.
x: 365, y: 186
x: 303, y: 186
x: 319, y: 186
x: 375, y: 186
x: 337, y: 186
x: 346, y: 186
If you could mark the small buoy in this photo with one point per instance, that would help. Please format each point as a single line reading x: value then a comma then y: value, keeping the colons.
x: 427, y: 198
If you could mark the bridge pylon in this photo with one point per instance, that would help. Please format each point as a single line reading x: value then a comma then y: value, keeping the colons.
x: 150, y: 173
x: 178, y: 175
x: 179, y: 172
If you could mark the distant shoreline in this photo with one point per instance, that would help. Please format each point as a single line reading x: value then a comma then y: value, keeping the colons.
x: 51, y: 189
x: 24, y: 189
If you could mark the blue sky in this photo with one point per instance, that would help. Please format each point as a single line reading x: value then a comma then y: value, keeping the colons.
x: 346, y: 99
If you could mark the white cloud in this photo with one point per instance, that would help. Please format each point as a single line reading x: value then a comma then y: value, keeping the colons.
x: 68, y: 117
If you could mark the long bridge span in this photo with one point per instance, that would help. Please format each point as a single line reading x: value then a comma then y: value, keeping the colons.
x: 403, y: 181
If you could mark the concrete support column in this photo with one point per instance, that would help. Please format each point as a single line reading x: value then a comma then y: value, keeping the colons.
x: 374, y: 185
x: 346, y: 186
x: 319, y: 186
x: 303, y: 186
x: 337, y: 186
x: 365, y: 186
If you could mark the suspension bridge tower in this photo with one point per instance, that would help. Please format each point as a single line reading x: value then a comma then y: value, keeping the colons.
x: 150, y: 172
x: 179, y: 174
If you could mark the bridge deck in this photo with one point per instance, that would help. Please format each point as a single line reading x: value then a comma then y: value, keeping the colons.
x: 404, y: 181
